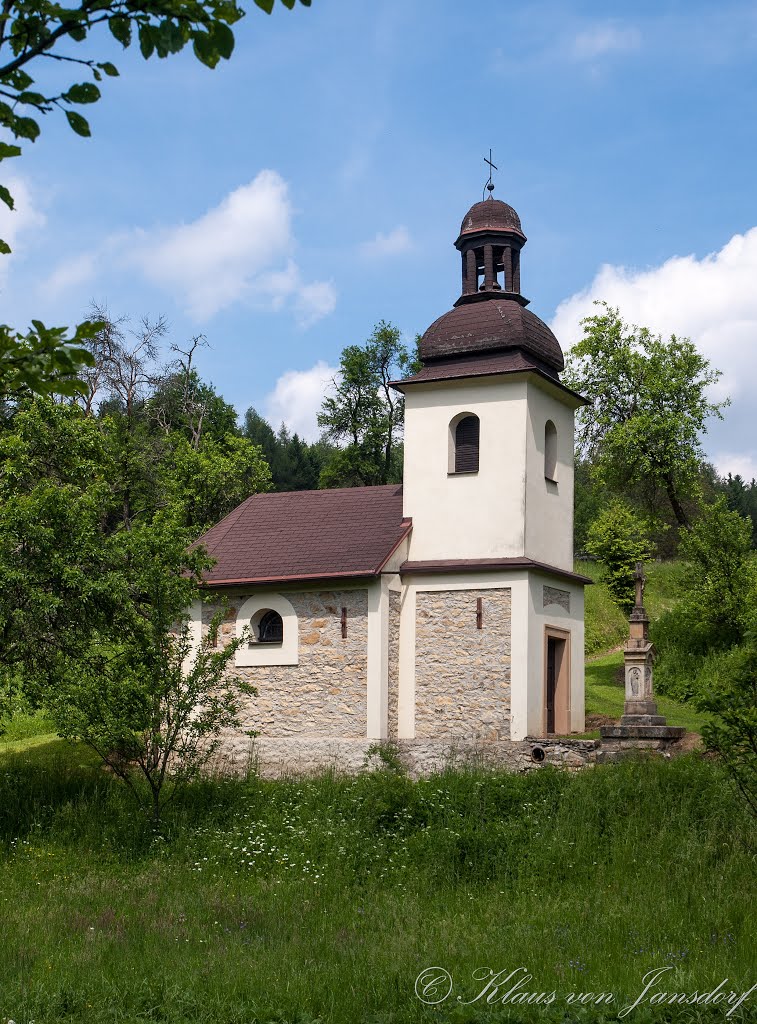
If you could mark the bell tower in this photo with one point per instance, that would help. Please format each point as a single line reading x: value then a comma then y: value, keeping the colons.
x: 488, y: 425
x: 489, y: 243
x: 491, y: 603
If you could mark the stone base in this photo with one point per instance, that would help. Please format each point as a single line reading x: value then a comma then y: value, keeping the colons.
x: 632, y: 708
x: 621, y: 740
x: 301, y: 756
x: 642, y: 720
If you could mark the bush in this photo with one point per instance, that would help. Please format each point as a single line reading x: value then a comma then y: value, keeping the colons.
x: 619, y: 538
x: 732, y: 696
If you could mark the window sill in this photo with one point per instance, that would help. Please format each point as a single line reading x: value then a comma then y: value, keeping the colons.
x: 464, y: 472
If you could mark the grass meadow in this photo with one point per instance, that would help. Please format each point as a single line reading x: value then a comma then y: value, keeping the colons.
x: 324, y: 899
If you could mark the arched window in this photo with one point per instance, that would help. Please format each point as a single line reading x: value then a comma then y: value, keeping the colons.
x: 269, y: 621
x: 550, y: 451
x: 463, y: 443
x: 270, y: 628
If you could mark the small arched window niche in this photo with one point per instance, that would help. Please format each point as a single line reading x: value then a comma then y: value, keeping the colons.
x: 464, y: 436
x: 272, y: 630
x: 550, y: 451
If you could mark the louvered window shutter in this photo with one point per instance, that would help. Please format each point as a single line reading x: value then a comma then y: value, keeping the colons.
x: 466, y: 445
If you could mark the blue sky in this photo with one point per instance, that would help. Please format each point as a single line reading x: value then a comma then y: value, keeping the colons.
x: 314, y: 184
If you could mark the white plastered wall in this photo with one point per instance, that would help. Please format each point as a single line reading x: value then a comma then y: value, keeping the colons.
x: 194, y: 622
x: 378, y: 659
x: 571, y: 622
x: 285, y: 653
x: 549, y: 504
x: 476, y: 515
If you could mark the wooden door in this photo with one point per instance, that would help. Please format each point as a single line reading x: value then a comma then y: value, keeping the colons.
x: 556, y: 681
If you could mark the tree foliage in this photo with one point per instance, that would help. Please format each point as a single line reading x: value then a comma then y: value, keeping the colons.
x: 43, y: 361
x: 92, y: 599
x: 56, y: 578
x: 295, y: 464
x: 731, y: 698
x: 741, y: 497
x: 719, y: 580
x: 619, y: 538
x: 76, y: 478
x: 649, y: 408
x: 149, y: 700
x: 363, y: 416
x: 38, y: 32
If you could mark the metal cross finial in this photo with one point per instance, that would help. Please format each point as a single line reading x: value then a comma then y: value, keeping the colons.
x: 492, y: 167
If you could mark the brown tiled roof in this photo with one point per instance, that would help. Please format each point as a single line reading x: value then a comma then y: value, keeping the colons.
x: 446, y: 565
x: 484, y: 365
x: 480, y: 365
x: 301, y: 535
x: 497, y: 324
x: 491, y: 215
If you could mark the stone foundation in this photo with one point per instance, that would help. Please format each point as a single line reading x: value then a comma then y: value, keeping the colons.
x: 274, y: 758
x: 618, y: 741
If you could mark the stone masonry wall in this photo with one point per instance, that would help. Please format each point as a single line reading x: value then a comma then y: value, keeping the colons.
x: 462, y: 674
x: 395, y: 602
x: 276, y: 758
x: 324, y: 696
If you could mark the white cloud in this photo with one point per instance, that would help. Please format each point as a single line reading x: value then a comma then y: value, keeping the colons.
x: 603, y: 39
x: 743, y: 464
x: 297, y: 397
x: 72, y: 274
x: 310, y: 302
x: 396, y: 241
x: 214, y: 260
x: 14, y: 224
x: 314, y: 301
x: 713, y: 301
x: 238, y: 251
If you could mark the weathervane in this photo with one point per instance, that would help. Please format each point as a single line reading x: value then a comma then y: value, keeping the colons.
x: 492, y: 167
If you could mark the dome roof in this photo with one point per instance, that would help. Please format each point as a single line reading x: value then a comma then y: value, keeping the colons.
x: 490, y: 215
x: 492, y: 325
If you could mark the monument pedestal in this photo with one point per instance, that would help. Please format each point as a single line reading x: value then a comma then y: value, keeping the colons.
x: 640, y: 725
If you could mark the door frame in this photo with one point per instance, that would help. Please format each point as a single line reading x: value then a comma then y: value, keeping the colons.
x: 563, y: 683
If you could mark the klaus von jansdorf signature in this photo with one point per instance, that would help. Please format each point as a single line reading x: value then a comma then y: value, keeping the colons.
x: 435, y: 985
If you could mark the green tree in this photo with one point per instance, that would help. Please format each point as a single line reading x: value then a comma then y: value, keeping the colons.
x: 150, y: 702
x: 649, y: 408
x: 41, y: 362
x: 619, y: 538
x: 32, y: 31
x: 741, y: 497
x: 56, y: 580
x: 731, y: 698
x: 719, y: 584
x: 719, y: 576
x: 204, y: 484
x: 363, y: 416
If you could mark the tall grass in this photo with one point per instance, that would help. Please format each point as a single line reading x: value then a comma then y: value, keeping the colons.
x: 299, y: 900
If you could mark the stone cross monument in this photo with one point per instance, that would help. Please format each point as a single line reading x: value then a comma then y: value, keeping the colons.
x: 640, y: 725
x: 638, y: 656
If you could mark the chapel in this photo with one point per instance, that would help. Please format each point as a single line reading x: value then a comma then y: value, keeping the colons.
x: 444, y: 614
